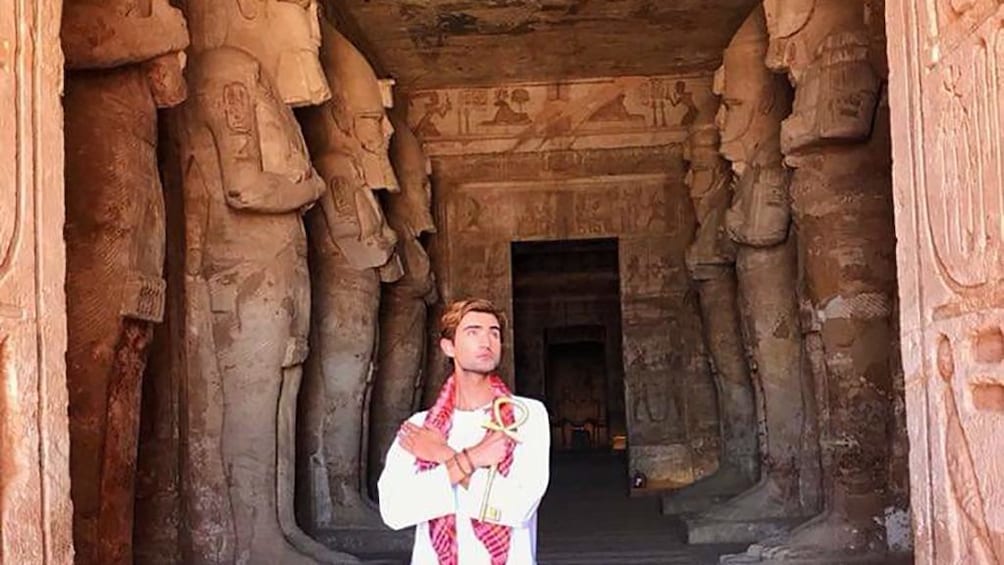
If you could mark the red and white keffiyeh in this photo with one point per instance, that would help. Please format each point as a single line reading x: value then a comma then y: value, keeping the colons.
x: 443, y: 530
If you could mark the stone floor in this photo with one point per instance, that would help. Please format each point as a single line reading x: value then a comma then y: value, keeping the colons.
x: 587, y: 518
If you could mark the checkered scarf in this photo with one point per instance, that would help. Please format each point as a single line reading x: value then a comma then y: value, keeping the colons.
x: 443, y: 530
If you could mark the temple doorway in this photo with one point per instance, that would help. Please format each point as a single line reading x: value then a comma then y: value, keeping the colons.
x: 567, y: 339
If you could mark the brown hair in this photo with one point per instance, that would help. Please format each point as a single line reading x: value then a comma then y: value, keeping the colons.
x: 456, y: 311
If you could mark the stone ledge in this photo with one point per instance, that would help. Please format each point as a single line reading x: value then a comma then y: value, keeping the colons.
x: 367, y: 543
x: 734, y: 531
x: 823, y: 558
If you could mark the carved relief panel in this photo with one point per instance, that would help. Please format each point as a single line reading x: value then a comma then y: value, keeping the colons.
x: 947, y: 55
x: 35, y: 511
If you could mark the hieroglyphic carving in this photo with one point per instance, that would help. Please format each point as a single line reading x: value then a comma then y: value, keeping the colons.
x: 947, y: 188
x: 625, y: 111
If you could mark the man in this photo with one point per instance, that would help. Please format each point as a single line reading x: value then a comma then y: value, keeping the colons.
x: 444, y: 461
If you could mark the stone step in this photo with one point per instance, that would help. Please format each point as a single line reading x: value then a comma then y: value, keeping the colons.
x: 736, y: 531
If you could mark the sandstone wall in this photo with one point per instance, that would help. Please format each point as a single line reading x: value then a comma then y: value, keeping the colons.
x: 586, y: 159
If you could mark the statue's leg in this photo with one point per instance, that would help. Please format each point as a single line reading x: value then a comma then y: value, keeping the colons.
x: 399, y: 365
x: 252, y: 341
x: 118, y: 461
x: 106, y: 357
x: 292, y: 376
x: 767, y: 285
x: 93, y: 329
x: 345, y: 328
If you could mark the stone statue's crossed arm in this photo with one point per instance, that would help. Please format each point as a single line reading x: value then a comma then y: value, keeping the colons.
x: 247, y: 186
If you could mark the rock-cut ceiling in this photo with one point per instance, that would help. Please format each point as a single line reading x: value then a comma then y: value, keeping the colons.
x: 435, y: 43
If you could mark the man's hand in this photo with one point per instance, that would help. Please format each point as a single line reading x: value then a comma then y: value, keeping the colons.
x: 427, y: 444
x: 490, y: 450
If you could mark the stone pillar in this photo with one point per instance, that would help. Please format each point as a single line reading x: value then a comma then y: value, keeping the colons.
x: 837, y: 140
x: 35, y: 508
x: 115, y: 249
x: 351, y: 251
x: 401, y: 358
x: 247, y: 178
x: 947, y: 167
x: 753, y: 104
x: 711, y: 262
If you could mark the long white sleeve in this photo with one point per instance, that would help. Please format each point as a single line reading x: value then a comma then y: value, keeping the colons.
x: 408, y: 496
x: 517, y: 495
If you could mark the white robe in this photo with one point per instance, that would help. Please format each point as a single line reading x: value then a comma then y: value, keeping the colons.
x: 412, y: 498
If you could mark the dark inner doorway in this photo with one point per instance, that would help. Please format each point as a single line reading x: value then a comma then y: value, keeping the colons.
x: 567, y: 328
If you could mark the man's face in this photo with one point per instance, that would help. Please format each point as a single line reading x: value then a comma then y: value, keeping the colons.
x: 477, y: 344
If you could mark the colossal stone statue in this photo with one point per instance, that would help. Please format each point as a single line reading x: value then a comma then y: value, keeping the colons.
x: 837, y: 140
x: 247, y: 178
x: 352, y: 249
x: 753, y: 104
x: 397, y: 388
x: 711, y: 262
x: 124, y: 64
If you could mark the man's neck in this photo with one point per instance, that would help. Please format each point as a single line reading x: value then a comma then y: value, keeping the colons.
x: 473, y: 390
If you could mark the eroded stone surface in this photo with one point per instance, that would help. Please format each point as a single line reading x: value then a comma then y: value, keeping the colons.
x: 246, y: 179
x: 430, y: 43
x: 115, y: 249
x: 841, y: 200
x: 352, y: 249
x: 401, y: 357
x: 35, y: 507
x: 944, y: 123
x: 754, y: 103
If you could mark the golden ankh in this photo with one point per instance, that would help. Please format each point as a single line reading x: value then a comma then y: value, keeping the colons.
x: 520, y: 415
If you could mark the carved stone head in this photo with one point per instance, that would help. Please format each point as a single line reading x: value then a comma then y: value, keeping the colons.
x: 359, y: 109
x: 410, y: 211
x: 709, y: 179
x: 754, y: 102
x: 825, y: 47
x: 753, y: 99
x: 284, y: 35
x: 706, y: 169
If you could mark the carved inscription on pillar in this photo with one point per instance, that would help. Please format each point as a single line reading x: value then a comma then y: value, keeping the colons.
x: 949, y: 213
x: 35, y: 509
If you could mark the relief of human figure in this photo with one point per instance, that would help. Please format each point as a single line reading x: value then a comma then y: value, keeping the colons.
x: 115, y: 248
x: 247, y: 179
x: 711, y: 262
x: 399, y: 380
x: 352, y: 249
x: 837, y: 141
x: 754, y: 102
